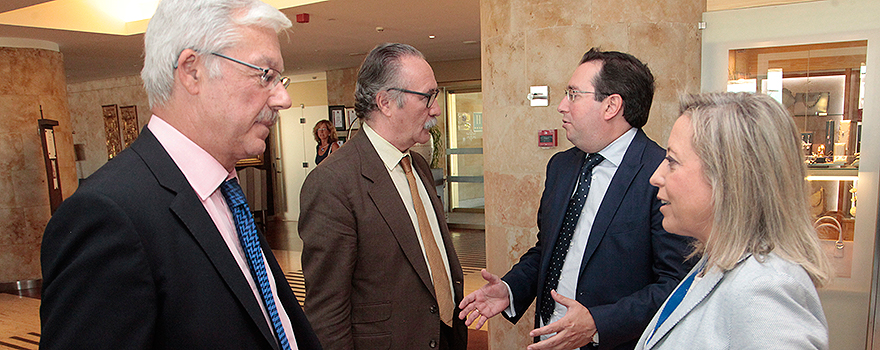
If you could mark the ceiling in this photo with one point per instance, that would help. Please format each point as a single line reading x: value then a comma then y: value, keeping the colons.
x: 338, y: 35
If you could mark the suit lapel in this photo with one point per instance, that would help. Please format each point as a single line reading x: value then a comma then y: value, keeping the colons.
x: 302, y: 330
x: 695, y: 295
x: 566, y: 179
x: 384, y: 195
x: 620, y: 184
x: 189, y: 209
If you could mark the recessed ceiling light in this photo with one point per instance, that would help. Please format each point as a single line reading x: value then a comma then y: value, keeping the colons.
x: 431, y: 37
x: 470, y: 42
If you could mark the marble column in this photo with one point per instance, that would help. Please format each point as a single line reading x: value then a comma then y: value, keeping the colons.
x: 33, y: 77
x: 527, y: 43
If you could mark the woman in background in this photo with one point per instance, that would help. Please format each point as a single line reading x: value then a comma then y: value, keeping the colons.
x: 733, y: 179
x: 325, y: 135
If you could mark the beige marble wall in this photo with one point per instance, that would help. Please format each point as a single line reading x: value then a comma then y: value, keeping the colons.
x: 31, y: 79
x: 527, y: 43
x: 340, y: 86
x: 87, y: 118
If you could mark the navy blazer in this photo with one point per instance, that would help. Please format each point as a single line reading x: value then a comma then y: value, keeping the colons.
x: 630, y: 264
x: 132, y: 260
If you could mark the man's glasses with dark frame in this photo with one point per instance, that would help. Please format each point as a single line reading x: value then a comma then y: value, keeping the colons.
x: 270, y: 77
x: 430, y: 95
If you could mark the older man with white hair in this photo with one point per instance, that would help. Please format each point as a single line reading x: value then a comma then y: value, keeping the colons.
x: 158, y: 249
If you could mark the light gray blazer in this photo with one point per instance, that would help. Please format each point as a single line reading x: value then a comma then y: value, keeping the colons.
x: 756, y: 305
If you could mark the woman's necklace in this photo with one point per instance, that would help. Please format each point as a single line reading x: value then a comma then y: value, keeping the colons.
x: 324, y: 148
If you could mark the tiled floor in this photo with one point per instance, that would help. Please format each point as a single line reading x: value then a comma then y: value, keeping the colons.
x: 19, y: 313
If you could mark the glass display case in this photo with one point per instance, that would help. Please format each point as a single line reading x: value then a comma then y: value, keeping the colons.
x: 822, y: 86
x: 819, y: 72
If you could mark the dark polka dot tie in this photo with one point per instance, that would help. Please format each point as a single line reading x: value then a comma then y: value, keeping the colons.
x: 560, y: 249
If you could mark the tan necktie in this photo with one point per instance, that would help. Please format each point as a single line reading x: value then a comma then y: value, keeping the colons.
x: 432, y: 252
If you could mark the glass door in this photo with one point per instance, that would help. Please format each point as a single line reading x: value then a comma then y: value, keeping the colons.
x: 465, y: 152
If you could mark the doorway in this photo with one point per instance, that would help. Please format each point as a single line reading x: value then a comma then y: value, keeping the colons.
x: 464, y: 171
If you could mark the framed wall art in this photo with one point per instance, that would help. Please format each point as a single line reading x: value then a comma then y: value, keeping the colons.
x: 253, y: 161
x: 111, y: 129
x: 351, y: 119
x: 129, y: 124
x: 337, y: 117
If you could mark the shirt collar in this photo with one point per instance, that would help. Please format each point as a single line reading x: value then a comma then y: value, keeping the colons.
x: 389, y: 154
x: 203, y: 172
x: 615, y: 151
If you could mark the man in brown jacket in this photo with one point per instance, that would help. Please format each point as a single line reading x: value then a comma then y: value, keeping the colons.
x: 380, y: 268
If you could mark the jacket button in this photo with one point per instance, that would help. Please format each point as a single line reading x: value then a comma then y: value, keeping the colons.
x: 433, y: 309
x: 432, y: 343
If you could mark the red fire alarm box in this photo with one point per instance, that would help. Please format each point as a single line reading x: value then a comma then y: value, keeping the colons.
x: 547, y: 138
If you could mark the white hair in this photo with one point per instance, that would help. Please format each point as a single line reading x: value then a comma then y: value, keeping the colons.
x: 201, y: 25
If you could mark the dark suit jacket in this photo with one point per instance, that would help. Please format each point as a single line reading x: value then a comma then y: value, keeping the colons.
x: 133, y: 261
x: 367, y: 282
x: 630, y: 264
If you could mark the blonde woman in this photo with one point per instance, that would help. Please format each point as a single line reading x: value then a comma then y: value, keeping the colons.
x: 325, y: 135
x: 730, y: 157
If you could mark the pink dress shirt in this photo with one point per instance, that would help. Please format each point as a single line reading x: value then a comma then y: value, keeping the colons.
x: 205, y: 174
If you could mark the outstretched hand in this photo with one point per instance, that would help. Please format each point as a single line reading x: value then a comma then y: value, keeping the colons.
x: 486, y: 302
x: 574, y: 330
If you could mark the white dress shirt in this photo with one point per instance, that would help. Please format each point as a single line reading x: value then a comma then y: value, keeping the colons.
x: 571, y: 267
x: 391, y: 157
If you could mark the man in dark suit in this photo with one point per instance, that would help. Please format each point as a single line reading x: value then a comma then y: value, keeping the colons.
x: 157, y: 249
x: 380, y: 268
x: 600, y: 244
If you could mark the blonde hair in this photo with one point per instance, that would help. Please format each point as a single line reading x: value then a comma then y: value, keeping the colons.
x: 750, y: 151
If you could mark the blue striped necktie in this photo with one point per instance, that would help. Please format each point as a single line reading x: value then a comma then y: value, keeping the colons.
x: 250, y: 243
x: 569, y: 222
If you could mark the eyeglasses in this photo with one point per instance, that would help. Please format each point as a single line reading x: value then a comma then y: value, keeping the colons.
x: 270, y: 77
x: 571, y: 93
x: 430, y: 95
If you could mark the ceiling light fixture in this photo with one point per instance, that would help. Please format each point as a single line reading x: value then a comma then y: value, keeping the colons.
x: 126, y: 11
x: 116, y: 17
